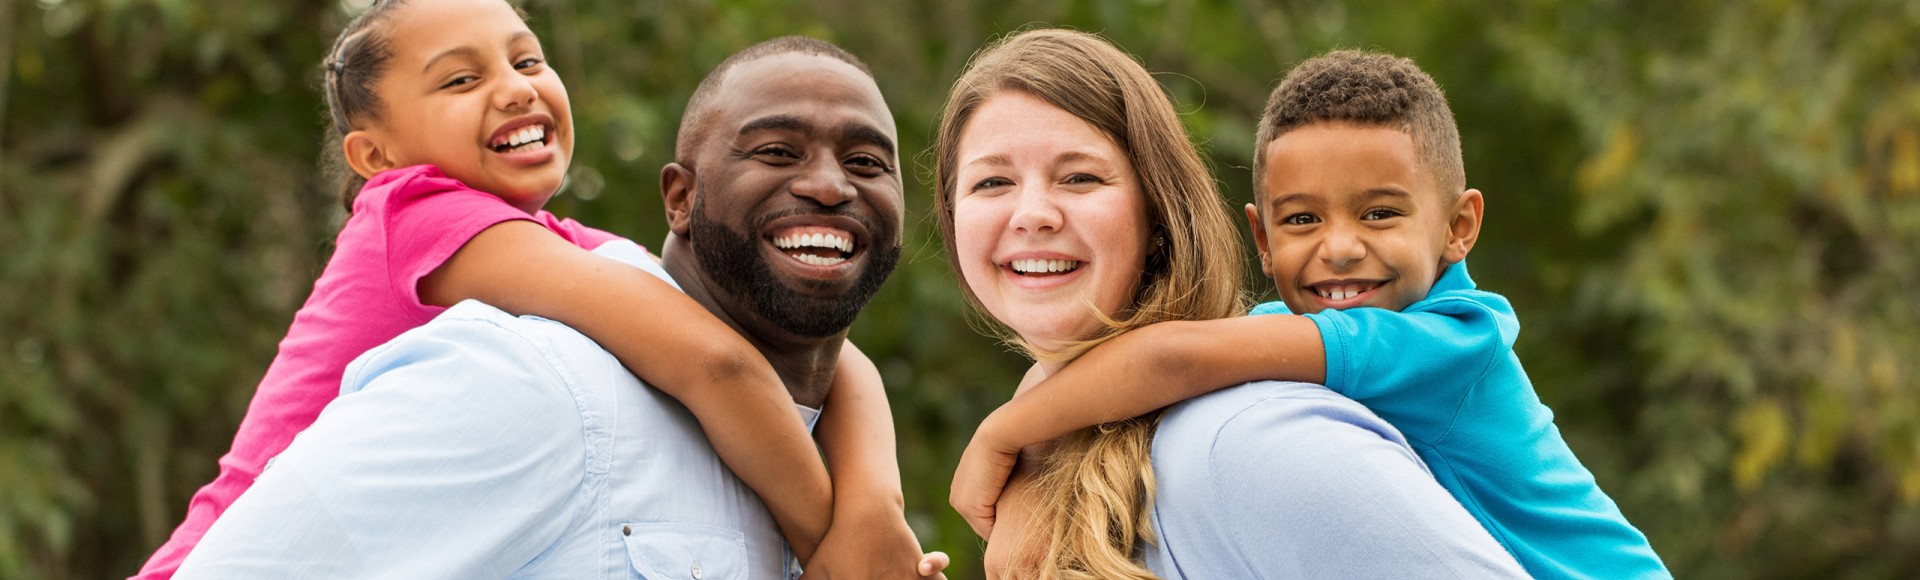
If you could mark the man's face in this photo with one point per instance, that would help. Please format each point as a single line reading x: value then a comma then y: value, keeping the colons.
x: 797, y: 194
x: 1352, y: 219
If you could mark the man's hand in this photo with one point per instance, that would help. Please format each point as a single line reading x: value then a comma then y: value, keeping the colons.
x: 872, y: 542
x: 981, y: 476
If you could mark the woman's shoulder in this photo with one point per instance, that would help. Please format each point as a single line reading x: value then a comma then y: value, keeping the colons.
x: 1273, y: 421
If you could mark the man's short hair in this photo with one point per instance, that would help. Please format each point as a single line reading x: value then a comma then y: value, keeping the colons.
x: 1366, y: 88
x: 698, y: 106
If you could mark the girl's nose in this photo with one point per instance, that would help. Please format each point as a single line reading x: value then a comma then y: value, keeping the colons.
x: 1034, y: 211
x: 516, y: 92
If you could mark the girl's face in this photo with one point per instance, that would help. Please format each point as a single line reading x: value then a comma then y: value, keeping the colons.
x: 1050, y: 223
x: 468, y: 89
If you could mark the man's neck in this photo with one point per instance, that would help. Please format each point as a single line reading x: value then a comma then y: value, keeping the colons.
x: 805, y: 364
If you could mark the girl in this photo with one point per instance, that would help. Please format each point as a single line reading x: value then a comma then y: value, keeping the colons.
x: 456, y: 133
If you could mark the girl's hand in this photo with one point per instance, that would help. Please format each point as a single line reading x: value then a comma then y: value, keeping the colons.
x: 872, y: 542
x: 981, y: 476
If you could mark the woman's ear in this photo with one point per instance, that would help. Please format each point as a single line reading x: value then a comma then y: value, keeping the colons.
x: 1464, y: 230
x: 366, y: 154
x: 676, y: 190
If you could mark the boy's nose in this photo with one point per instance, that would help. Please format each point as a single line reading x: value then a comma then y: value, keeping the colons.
x: 1342, y: 248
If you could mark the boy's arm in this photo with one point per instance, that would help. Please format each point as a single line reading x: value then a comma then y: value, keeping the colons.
x: 1131, y: 375
x: 1416, y: 368
x: 869, y: 537
x: 668, y: 340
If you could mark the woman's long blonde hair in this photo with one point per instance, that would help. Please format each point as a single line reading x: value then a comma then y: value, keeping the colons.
x: 1094, y: 490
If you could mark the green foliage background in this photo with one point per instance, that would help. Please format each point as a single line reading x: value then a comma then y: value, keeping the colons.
x: 1706, y: 212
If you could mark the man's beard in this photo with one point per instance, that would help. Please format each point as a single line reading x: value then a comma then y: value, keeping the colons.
x: 735, y: 262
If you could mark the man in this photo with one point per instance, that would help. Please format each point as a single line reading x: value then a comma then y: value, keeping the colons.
x: 484, y: 445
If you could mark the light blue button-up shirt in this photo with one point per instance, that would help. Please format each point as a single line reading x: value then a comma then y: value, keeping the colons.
x: 1289, y: 480
x: 483, y: 445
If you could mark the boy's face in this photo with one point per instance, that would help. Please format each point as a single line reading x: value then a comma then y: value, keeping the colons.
x: 1352, y: 218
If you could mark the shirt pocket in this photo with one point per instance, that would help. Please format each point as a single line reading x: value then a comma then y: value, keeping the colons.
x: 686, y: 551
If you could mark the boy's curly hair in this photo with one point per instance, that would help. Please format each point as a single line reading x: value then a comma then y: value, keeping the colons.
x: 1366, y: 88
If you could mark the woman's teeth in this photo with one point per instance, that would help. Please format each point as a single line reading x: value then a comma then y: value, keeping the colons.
x: 1044, y: 266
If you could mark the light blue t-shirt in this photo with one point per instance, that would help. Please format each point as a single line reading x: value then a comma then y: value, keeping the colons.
x: 1444, y: 372
x: 483, y: 445
x: 1289, y: 480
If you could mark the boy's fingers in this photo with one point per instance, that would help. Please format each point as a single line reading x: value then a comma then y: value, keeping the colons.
x: 933, y: 562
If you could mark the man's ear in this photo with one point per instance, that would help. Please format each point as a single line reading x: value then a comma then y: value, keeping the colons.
x: 676, y: 189
x: 1464, y: 230
x: 366, y: 154
x: 1259, y: 238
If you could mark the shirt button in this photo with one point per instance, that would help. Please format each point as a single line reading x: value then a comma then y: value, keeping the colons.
x: 696, y: 570
x: 626, y: 530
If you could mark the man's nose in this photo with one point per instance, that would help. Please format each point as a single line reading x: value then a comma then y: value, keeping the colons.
x: 824, y: 181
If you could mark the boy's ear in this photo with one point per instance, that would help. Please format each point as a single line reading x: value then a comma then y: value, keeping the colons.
x: 676, y: 189
x: 1464, y: 230
x: 1259, y: 238
x: 366, y: 154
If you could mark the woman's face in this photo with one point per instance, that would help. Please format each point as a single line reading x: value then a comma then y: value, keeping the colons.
x: 1049, y: 219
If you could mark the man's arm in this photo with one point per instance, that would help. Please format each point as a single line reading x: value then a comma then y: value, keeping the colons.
x: 462, y: 456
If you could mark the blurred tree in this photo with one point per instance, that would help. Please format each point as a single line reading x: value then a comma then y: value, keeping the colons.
x: 1705, y: 214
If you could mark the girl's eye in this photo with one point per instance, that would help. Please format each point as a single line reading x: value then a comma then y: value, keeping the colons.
x: 992, y: 183
x: 1379, y: 214
x: 461, y: 80
x: 1300, y: 219
x: 869, y: 165
x: 528, y: 64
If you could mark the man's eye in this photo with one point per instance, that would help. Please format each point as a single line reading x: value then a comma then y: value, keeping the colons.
x: 1300, y: 219
x: 777, y: 152
x: 869, y: 165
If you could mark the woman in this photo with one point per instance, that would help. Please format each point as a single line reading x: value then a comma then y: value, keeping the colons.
x: 1074, y: 209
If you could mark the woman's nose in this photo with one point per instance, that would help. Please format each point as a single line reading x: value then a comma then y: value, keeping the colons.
x: 1035, y: 211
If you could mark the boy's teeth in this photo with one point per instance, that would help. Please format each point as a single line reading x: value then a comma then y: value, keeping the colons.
x: 1044, y: 266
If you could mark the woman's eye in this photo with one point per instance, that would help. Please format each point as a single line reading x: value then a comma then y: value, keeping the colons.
x: 528, y: 63
x: 991, y: 183
x: 1300, y: 219
x: 1379, y: 214
x: 1082, y: 179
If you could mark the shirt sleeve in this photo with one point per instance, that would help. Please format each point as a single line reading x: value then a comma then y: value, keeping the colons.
x: 1416, y: 368
x: 459, y: 456
x: 427, y: 217
x: 1356, y: 501
x: 579, y: 234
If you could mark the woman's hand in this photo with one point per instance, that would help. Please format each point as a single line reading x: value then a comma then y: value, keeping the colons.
x: 981, y: 475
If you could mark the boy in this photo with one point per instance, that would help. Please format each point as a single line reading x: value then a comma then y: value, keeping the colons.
x: 1363, y: 221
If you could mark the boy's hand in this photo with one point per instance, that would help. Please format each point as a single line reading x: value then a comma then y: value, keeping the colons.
x: 876, y: 543
x: 981, y: 476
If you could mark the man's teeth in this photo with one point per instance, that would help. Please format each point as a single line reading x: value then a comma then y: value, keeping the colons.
x: 1044, y: 266
x: 819, y: 260
x: 826, y: 241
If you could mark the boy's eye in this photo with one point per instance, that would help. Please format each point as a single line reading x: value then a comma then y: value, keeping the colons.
x: 1300, y: 219
x: 1379, y: 214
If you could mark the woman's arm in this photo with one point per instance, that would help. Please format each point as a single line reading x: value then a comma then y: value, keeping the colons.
x: 1131, y: 375
x: 668, y: 340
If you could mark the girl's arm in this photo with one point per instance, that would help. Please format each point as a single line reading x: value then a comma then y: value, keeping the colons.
x: 1131, y: 375
x: 668, y: 340
x: 869, y: 537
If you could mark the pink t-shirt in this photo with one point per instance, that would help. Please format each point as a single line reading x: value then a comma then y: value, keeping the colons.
x: 405, y: 223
